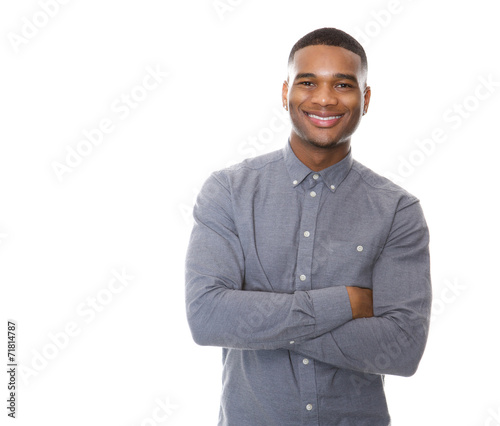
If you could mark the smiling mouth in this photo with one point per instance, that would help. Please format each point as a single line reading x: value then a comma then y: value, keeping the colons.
x: 320, y: 121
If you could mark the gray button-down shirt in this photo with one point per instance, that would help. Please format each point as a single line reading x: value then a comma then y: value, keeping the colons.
x: 272, y: 250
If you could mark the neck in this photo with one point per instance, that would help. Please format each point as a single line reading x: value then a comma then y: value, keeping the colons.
x: 317, y: 158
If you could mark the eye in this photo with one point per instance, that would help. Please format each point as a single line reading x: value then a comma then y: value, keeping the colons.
x: 306, y: 83
x: 344, y: 85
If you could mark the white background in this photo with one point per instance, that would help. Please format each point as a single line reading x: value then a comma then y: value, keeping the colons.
x: 126, y: 206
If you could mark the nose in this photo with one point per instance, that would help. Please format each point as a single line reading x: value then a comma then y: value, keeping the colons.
x: 325, y: 95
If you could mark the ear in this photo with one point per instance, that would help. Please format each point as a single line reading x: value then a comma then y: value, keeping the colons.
x: 366, y: 97
x: 284, y: 95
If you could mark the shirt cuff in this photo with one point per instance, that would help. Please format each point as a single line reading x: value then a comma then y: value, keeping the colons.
x: 332, y: 308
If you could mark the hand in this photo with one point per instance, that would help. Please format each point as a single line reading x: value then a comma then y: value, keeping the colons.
x: 361, y: 302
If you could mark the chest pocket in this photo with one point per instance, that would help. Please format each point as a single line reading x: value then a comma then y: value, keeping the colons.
x: 347, y: 263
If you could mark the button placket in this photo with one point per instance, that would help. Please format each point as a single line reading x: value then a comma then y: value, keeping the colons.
x: 307, y: 228
x: 310, y: 210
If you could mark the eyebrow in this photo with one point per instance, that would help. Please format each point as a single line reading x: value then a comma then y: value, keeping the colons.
x: 337, y: 75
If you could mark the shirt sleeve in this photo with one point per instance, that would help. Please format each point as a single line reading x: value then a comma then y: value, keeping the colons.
x: 393, y: 341
x: 221, y: 313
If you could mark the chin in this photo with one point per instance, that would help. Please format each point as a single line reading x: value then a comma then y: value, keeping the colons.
x: 324, y: 144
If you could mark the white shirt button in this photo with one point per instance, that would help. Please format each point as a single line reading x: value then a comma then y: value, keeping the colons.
x: 315, y: 176
x: 359, y: 248
x: 309, y: 407
x: 332, y: 186
x: 305, y: 361
x: 295, y: 182
x: 302, y: 278
x: 312, y: 194
x: 306, y: 234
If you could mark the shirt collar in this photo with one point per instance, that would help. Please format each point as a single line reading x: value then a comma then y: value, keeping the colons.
x: 332, y: 176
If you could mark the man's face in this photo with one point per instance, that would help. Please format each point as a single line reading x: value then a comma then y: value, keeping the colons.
x: 326, y: 94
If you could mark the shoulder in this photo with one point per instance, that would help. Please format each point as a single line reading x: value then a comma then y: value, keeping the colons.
x: 384, y: 187
x: 248, y: 168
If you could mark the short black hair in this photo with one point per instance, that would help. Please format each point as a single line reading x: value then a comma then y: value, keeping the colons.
x: 330, y: 37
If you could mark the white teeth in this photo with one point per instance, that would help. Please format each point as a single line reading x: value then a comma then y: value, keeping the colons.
x: 324, y: 118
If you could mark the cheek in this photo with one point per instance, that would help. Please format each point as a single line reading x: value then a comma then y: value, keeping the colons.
x: 294, y: 107
x: 355, y: 106
x: 297, y: 97
x: 353, y: 101
x: 295, y: 115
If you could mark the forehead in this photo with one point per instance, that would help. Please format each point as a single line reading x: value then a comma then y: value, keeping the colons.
x: 325, y: 60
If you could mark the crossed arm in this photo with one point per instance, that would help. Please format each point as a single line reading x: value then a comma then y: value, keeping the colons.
x: 393, y: 340
x: 333, y: 325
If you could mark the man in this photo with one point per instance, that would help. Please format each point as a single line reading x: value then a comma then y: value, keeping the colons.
x: 307, y: 268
